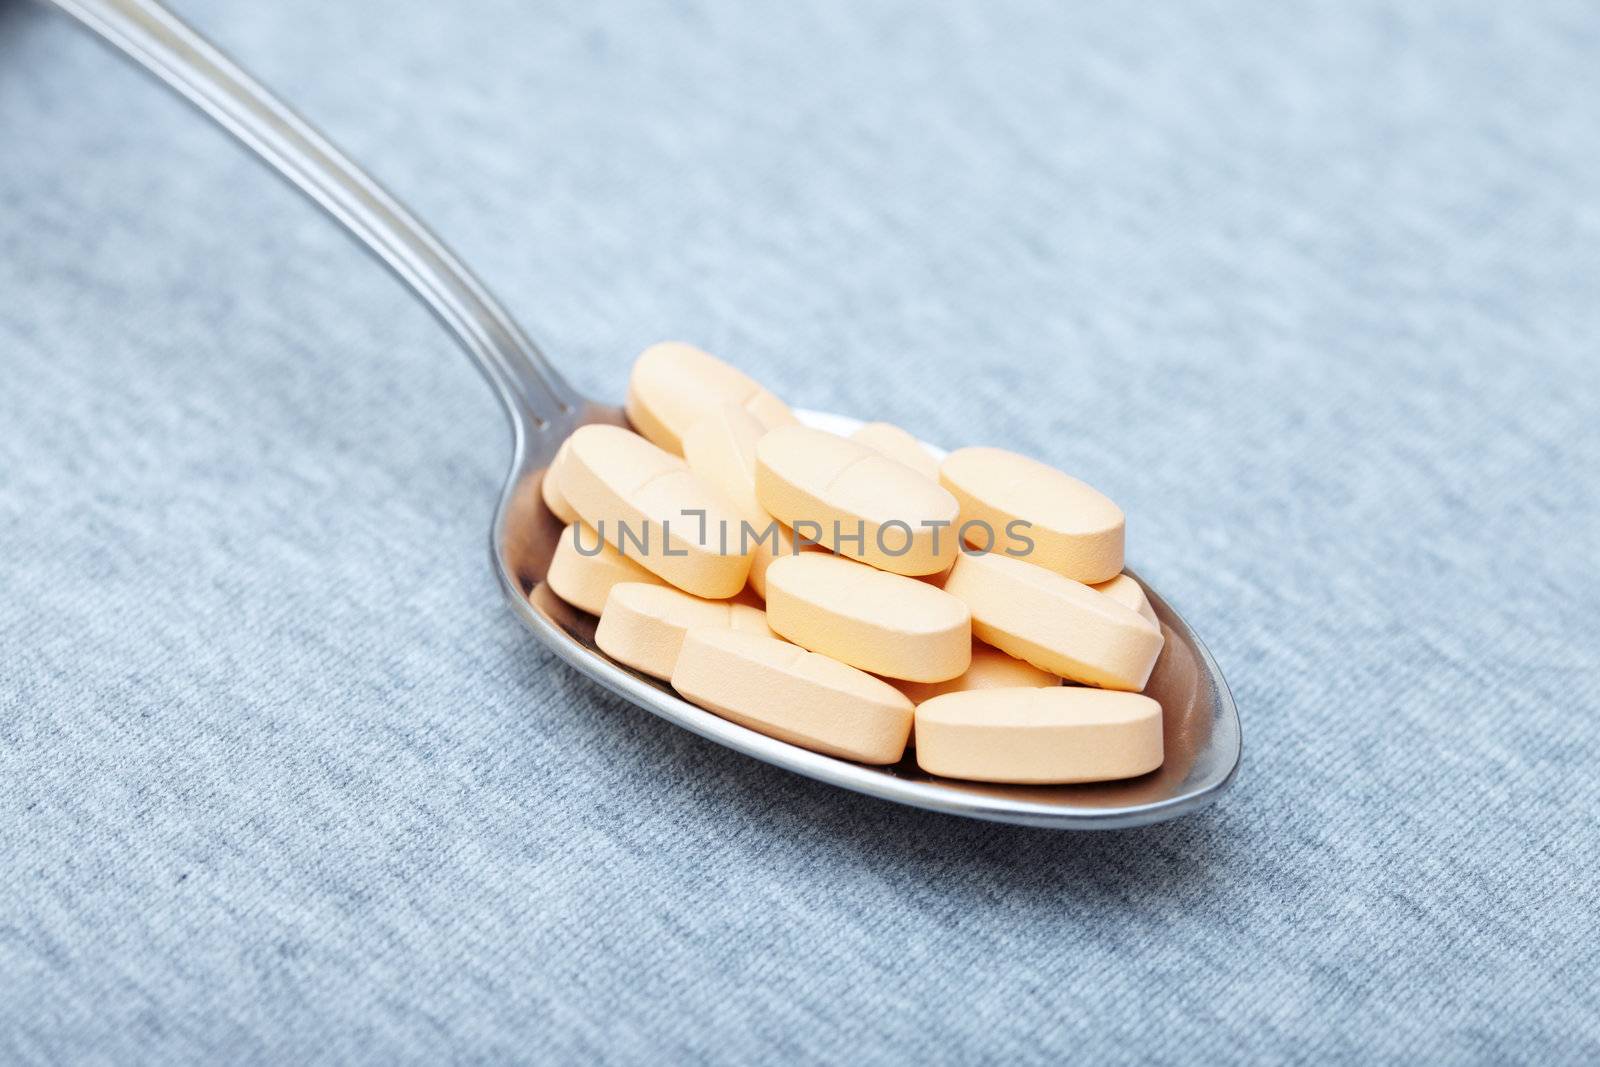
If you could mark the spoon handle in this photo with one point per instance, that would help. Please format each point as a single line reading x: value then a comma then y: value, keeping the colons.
x: 533, y: 392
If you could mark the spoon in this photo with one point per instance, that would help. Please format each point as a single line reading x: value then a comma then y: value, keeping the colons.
x: 1201, y: 725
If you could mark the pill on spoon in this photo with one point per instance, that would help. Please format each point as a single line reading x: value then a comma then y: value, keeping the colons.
x: 855, y: 501
x: 642, y: 625
x: 990, y: 669
x: 781, y: 690
x: 1127, y: 591
x: 1074, y: 529
x: 1055, y: 623
x: 885, y: 623
x: 647, y: 504
x: 1039, y: 736
x: 549, y: 488
x: 720, y: 449
x: 584, y: 568
x: 674, y: 384
x: 899, y: 445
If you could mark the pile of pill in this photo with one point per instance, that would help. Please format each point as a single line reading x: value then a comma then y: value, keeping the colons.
x: 856, y: 595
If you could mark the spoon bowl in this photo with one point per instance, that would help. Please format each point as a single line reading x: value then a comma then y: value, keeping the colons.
x: 1201, y: 725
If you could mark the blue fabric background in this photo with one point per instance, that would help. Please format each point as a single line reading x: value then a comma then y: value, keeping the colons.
x: 1311, y: 289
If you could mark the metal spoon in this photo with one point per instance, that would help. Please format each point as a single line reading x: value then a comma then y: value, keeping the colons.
x: 1202, y: 726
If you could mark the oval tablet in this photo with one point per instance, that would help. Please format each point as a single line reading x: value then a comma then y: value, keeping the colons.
x: 1039, y: 736
x: 674, y: 384
x: 991, y: 669
x: 858, y: 502
x: 720, y: 447
x: 1055, y: 623
x: 1076, y: 531
x: 721, y: 450
x: 1129, y: 593
x: 642, y: 625
x: 783, y: 691
x: 898, y: 445
x: 583, y: 576
x: 549, y: 488
x: 880, y: 622
x: 648, y: 506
